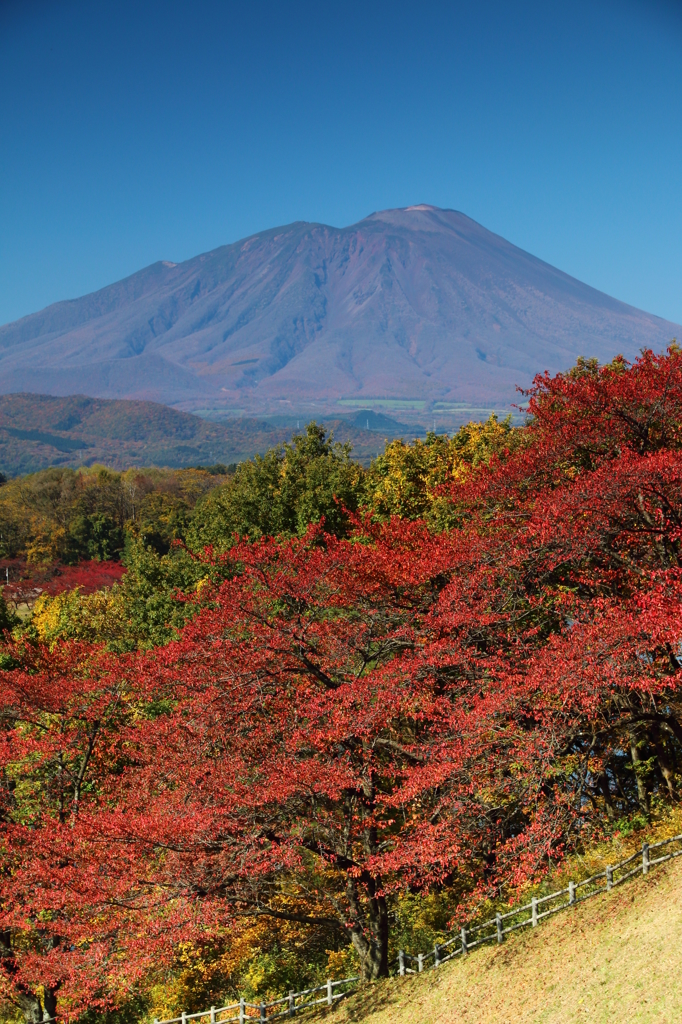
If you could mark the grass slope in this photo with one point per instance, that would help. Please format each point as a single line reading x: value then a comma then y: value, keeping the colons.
x: 37, y: 431
x: 617, y: 957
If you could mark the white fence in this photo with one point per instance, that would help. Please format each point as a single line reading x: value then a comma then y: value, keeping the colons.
x: 492, y: 930
x: 288, y: 1006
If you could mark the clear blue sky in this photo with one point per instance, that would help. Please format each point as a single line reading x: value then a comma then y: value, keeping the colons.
x: 138, y: 130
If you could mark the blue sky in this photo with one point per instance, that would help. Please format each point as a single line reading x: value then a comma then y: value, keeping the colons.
x: 137, y: 131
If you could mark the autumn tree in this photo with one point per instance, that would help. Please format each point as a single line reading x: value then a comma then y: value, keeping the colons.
x: 575, y: 541
x: 282, y: 492
x: 302, y: 762
x: 61, y: 712
x: 408, y: 480
x: 399, y: 709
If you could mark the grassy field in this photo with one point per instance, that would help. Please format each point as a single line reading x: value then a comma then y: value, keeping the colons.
x: 615, y: 958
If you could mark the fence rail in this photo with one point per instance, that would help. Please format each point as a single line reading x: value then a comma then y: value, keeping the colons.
x: 493, y: 930
x: 287, y: 1006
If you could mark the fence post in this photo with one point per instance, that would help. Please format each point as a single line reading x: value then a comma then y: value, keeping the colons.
x: 291, y: 1009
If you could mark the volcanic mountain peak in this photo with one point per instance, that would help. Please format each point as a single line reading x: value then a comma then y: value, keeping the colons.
x: 412, y: 308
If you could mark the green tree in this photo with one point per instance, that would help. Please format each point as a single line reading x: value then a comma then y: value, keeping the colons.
x: 149, y: 593
x: 7, y: 618
x: 281, y: 492
x: 152, y: 602
x: 161, y: 518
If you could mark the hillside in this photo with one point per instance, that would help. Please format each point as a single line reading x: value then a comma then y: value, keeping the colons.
x: 37, y: 431
x: 417, y: 309
x: 617, y: 957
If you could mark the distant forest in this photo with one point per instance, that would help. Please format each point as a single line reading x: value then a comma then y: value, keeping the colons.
x: 41, y: 431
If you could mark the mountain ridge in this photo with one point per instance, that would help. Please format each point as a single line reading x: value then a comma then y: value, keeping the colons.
x: 416, y: 305
x: 38, y: 431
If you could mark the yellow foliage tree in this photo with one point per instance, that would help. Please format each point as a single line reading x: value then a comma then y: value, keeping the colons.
x: 98, y: 618
x: 406, y: 480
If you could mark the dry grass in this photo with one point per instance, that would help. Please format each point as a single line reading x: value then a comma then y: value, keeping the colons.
x: 615, y: 958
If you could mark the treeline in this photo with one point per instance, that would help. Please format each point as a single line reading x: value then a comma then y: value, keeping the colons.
x: 389, y: 700
x: 65, y: 515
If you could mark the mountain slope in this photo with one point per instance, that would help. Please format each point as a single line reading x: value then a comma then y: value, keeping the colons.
x: 615, y: 958
x: 417, y: 305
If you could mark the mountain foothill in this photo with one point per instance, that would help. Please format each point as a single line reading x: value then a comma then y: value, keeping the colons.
x: 38, y: 431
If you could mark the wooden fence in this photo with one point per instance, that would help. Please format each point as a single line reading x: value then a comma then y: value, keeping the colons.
x: 493, y: 930
x: 288, y: 1006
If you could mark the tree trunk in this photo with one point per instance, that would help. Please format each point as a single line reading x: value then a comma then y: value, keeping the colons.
x: 665, y: 762
x: 49, y: 1003
x: 642, y: 795
x: 370, y: 942
x: 606, y: 793
x: 34, y: 1009
x: 31, y: 1007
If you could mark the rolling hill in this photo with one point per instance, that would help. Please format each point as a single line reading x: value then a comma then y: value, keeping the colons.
x: 37, y: 431
x: 417, y: 309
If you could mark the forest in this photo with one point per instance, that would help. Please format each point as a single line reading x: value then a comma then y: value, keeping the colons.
x: 267, y: 723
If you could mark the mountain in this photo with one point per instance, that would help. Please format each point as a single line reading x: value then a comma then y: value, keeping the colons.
x: 414, y: 309
x: 37, y: 431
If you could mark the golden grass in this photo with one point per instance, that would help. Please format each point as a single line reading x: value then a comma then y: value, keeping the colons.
x: 614, y: 958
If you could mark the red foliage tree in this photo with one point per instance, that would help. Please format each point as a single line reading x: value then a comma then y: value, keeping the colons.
x: 297, y: 720
x: 62, y: 713
x: 581, y: 532
x: 27, y: 583
x: 345, y: 718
